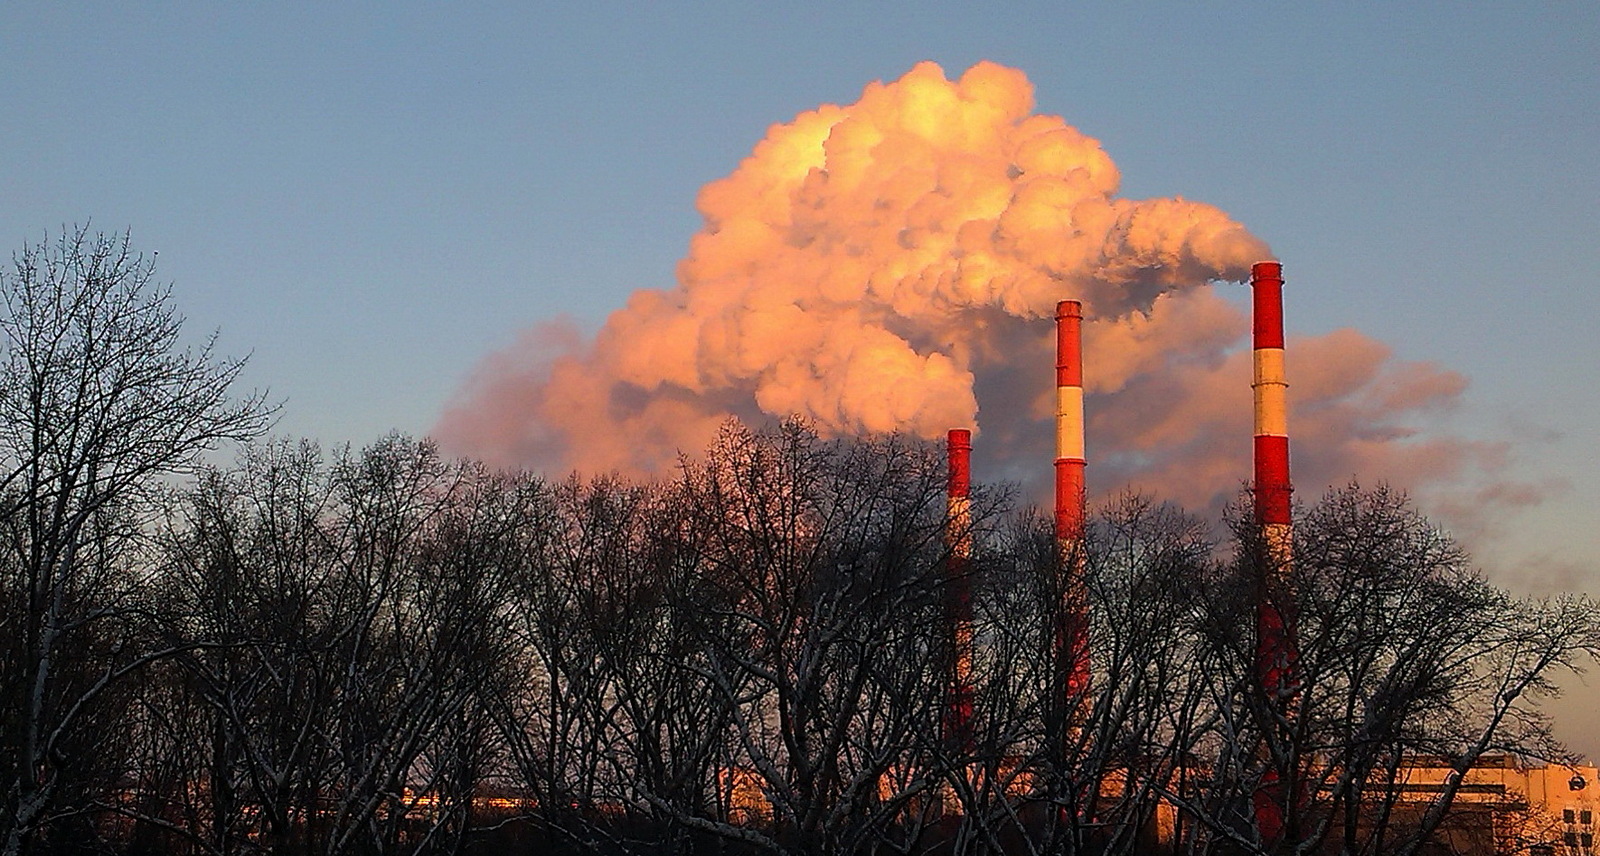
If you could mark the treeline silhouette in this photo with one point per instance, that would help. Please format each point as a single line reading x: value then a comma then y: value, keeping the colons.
x: 385, y: 651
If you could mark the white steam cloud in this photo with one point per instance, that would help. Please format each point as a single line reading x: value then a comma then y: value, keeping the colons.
x: 888, y: 265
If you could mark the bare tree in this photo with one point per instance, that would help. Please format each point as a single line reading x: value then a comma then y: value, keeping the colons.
x: 1060, y: 774
x: 1405, y: 656
x: 99, y: 401
x: 348, y: 624
x: 570, y: 604
x: 820, y: 615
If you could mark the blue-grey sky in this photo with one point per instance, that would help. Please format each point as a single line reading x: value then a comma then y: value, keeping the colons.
x: 370, y: 197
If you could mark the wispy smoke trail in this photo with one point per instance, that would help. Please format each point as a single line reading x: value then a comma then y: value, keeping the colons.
x: 887, y: 265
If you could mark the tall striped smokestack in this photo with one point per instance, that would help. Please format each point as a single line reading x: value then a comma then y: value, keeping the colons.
x: 1271, y: 408
x: 1275, y: 643
x: 1069, y: 421
x: 958, y: 532
x: 1073, y: 633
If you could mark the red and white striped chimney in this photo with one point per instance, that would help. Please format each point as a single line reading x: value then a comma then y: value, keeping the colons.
x: 1271, y: 409
x: 1073, y: 633
x: 958, y: 531
x: 1275, y: 643
x: 1070, y: 462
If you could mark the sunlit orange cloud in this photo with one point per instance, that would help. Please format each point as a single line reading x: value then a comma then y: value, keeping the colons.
x: 890, y: 265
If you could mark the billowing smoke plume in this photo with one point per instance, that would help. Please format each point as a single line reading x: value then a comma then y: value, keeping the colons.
x: 889, y: 265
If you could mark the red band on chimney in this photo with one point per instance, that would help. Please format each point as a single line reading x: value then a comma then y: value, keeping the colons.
x: 959, y: 446
x: 1272, y: 479
x: 1266, y: 283
x: 1069, y: 499
x: 1069, y: 348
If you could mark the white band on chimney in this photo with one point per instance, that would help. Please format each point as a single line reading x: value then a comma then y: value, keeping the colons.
x: 1279, y: 538
x: 959, y: 512
x: 1069, y: 423
x: 1272, y: 394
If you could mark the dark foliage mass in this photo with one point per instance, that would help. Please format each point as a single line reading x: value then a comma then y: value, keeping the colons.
x: 384, y: 651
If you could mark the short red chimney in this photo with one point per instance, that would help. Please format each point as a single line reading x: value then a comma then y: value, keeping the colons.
x: 958, y: 588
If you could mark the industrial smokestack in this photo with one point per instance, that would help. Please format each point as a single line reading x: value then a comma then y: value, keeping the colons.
x: 1069, y: 421
x: 1275, y: 643
x: 959, y: 446
x: 1271, y: 408
x: 1073, y: 632
x: 958, y: 588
